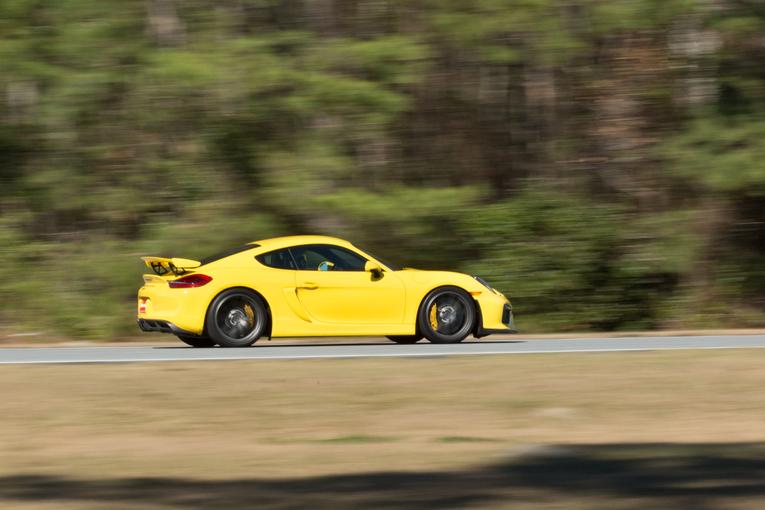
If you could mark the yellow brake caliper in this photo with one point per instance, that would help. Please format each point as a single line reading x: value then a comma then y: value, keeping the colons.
x: 250, y: 313
x: 433, y: 318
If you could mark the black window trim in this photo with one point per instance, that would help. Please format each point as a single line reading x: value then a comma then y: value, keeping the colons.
x: 287, y: 249
x: 294, y: 261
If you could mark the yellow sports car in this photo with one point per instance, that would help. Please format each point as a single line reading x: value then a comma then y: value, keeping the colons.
x: 313, y: 286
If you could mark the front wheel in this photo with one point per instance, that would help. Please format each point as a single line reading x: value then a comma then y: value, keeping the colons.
x: 236, y: 318
x: 196, y: 341
x: 447, y: 315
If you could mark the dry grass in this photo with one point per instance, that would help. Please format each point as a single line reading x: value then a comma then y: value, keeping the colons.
x: 423, y: 433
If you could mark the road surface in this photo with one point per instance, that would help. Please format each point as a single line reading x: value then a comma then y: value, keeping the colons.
x: 370, y: 348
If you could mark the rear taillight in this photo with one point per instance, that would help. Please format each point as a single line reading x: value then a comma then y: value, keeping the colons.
x: 192, y: 280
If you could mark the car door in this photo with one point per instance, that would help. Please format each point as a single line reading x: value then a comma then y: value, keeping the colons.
x: 333, y: 287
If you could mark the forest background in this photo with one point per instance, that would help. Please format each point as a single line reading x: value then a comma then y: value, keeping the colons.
x: 601, y: 162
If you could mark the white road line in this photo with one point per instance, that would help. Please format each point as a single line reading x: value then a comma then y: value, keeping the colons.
x: 129, y: 354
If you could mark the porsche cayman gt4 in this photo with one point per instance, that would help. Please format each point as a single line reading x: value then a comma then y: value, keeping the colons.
x: 313, y: 286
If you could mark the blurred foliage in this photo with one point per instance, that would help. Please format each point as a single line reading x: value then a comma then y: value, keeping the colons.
x: 600, y: 162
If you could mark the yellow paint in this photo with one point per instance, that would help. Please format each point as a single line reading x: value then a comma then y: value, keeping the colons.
x: 312, y: 302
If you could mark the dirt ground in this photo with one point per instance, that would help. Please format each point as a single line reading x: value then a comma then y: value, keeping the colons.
x: 676, y: 429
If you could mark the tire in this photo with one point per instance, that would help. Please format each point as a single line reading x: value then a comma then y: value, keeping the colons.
x: 447, y: 315
x: 236, y: 318
x: 196, y: 341
x: 406, y: 339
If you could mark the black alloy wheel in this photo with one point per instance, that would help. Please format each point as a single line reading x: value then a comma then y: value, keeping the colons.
x: 447, y: 315
x: 236, y: 318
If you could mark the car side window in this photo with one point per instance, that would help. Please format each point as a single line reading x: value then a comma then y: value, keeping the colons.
x: 325, y: 257
x: 278, y: 259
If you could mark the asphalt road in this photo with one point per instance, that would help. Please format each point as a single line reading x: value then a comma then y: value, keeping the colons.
x: 369, y: 348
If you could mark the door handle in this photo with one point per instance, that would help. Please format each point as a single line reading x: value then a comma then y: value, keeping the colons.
x: 308, y: 286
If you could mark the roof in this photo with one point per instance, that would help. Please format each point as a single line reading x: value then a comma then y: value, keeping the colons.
x: 279, y: 242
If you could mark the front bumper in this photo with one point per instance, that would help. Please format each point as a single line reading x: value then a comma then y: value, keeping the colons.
x: 483, y: 329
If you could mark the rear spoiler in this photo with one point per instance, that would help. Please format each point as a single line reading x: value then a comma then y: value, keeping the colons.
x: 177, y: 266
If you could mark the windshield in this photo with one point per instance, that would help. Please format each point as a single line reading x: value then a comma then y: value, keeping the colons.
x: 392, y: 267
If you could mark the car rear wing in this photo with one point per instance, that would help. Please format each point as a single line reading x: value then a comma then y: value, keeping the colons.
x: 175, y: 265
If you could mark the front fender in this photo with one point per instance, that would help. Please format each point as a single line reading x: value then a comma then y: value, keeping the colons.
x: 419, y: 284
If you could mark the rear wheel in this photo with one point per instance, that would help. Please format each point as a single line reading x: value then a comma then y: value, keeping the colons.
x: 236, y: 318
x: 196, y: 341
x: 447, y: 315
x: 406, y: 339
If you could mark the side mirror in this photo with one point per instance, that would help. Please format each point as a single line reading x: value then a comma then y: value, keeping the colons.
x: 374, y: 268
